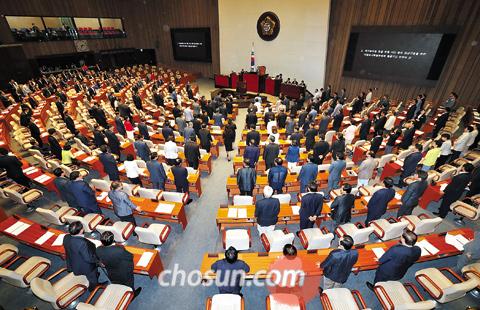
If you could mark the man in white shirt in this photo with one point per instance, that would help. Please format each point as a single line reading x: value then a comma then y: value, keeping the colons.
x: 171, y: 151
x: 132, y: 171
x: 460, y: 144
x: 473, y: 135
x: 390, y: 123
x: 445, y: 150
x: 368, y: 97
x: 188, y: 113
x: 338, y: 109
x: 349, y: 133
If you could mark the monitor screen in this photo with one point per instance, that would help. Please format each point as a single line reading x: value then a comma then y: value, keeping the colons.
x: 191, y: 44
x: 397, y: 54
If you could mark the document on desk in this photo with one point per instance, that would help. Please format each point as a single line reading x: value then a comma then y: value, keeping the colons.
x: 59, y: 240
x: 121, y: 167
x: 232, y: 213
x: 427, y: 248
x: 453, y: 241
x: 296, y: 210
x: 44, y: 238
x: 17, y: 228
x: 102, y: 196
x: 42, y: 178
x: 145, y: 259
x: 78, y: 153
x: 242, y: 213
x: 398, y: 196
x: 378, y: 252
x: 164, y: 208
x: 443, y: 186
x: 89, y: 158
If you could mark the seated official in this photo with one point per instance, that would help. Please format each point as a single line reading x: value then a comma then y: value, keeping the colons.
x: 338, y: 264
x: 230, y: 267
x: 117, y: 261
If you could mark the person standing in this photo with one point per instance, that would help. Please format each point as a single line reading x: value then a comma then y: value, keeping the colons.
x: 143, y: 129
x: 413, y: 193
x: 293, y: 155
x: 112, y: 141
x: 13, y: 167
x: 84, y: 194
x: 377, y: 205
x: 142, y: 149
x: 396, y: 261
x: 192, y: 153
x: 55, y: 147
x: 266, y: 211
x: 117, y: 261
x: 230, y: 272
x: 158, y: 175
x: 132, y: 170
x: 80, y: 254
x: 180, y: 177
x: 246, y: 179
x: 252, y: 153
x: 471, y: 252
x: 365, y: 126
x: 311, y: 206
x: 205, y: 138
x: 119, y: 125
x: 335, y: 173
x: 338, y: 265
x: 460, y: 144
x: 109, y: 164
x: 123, y: 207
x: 63, y: 187
x: 270, y: 153
x: 341, y: 208
x: 171, y: 151
x: 445, y: 150
x: 432, y: 155
x: 366, y: 169
x: 308, y: 173
x: 410, y: 164
x: 408, y: 136
x: 229, y: 134
x: 277, y: 176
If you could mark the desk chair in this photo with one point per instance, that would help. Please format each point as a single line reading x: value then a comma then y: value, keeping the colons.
x: 274, y: 241
x: 421, y: 224
x: 225, y: 301
x: 56, y: 214
x: 358, y: 232
x: 23, y: 274
x: 120, y: 230
x: 281, y: 301
x: 466, y: 210
x: 175, y: 197
x: 150, y: 193
x: 240, y: 239
x: 315, y: 238
x: 20, y: 195
x: 7, y: 252
x: 113, y: 296
x: 386, y: 230
x: 395, y: 295
x: 239, y: 200
x: 342, y: 298
x: 472, y: 271
x: 101, y: 185
x: 89, y: 221
x: 155, y: 234
x: 130, y: 189
x: 284, y: 198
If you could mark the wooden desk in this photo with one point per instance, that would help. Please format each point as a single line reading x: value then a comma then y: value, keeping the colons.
x: 148, y: 207
x: 367, y: 260
x: 157, y: 138
x: 34, y: 172
x: 91, y: 161
x: 391, y: 169
x: 35, y: 231
x: 431, y: 194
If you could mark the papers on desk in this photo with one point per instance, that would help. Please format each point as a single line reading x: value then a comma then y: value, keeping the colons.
x: 398, y: 196
x: 242, y: 213
x: 351, y: 173
x: 43, y: 178
x: 145, y: 259
x: 237, y: 213
x: 89, y: 158
x: 378, y: 252
x: 443, y: 186
x: 30, y: 170
x: 17, y: 228
x: 102, y: 196
x: 399, y: 162
x: 121, y: 167
x: 59, y: 240
x: 296, y: 210
x: 44, y: 238
x: 458, y: 241
x: 427, y: 248
x: 78, y: 153
x: 164, y: 208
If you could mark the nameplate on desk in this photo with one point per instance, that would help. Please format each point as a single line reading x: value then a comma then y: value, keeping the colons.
x: 164, y: 208
x: 30, y: 170
x: 44, y: 238
x: 458, y: 241
x: 145, y: 259
x: 102, y: 196
x: 17, y: 228
x: 43, y: 178
x: 378, y: 252
x: 59, y: 240
x: 89, y: 158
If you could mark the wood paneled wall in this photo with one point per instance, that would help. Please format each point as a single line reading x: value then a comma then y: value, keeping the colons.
x: 461, y: 72
x: 147, y: 23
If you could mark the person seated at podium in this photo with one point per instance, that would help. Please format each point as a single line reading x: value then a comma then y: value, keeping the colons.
x: 229, y: 267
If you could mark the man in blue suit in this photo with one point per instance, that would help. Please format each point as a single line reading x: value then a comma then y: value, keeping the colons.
x: 307, y: 174
x: 410, y: 164
x: 277, y: 176
x: 119, y: 124
x: 252, y: 152
x: 377, y: 206
x: 337, y: 267
x: 157, y: 172
x: 84, y: 194
x: 413, y: 193
x: 266, y: 211
x: 394, y: 263
x: 143, y: 151
x: 109, y: 164
x: 335, y: 173
x: 143, y: 129
x: 113, y: 142
x: 311, y: 207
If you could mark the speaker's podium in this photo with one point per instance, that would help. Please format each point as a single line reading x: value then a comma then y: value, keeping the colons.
x: 241, y: 87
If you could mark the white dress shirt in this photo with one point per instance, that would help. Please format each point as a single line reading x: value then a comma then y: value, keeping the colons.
x: 446, y: 148
x: 188, y: 114
x: 390, y: 122
x: 170, y: 150
x: 471, y: 137
x: 131, y: 168
x: 461, y: 143
x: 368, y: 98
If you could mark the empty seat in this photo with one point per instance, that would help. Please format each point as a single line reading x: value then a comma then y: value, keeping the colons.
x: 472, y: 271
x: 121, y: 230
x: 284, y: 198
x: 22, y: 275
x: 113, y: 296
x: 175, y: 197
x: 342, y: 298
x: 130, y: 189
x: 101, y: 185
x: 274, y: 241
x: 369, y: 190
x: 394, y: 295
x: 359, y: 235
x: 155, y: 234
x: 385, y: 230
x: 421, y: 224
x: 89, y: 221
x: 239, y: 200
x: 24, y: 198
x: 56, y: 214
x: 384, y: 160
x: 225, y: 301
x: 315, y: 239
x: 149, y: 193
x: 7, y: 252
x: 61, y: 293
x: 282, y: 301
x: 240, y: 239
x: 440, y: 287
x: 463, y: 209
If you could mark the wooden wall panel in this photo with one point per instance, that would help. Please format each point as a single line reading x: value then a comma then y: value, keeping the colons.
x: 147, y: 23
x: 462, y: 70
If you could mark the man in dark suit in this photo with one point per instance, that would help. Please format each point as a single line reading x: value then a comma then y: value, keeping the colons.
x: 251, y: 118
x: 266, y: 211
x: 410, y: 164
x: 253, y: 134
x: 80, y: 254
x: 394, y: 263
x: 320, y: 150
x: 229, y: 271
x: 375, y: 143
x: 125, y: 111
x: 109, y: 164
x: 365, y: 127
x: 137, y: 101
x: 192, y: 153
x: 60, y: 108
x: 277, y: 176
x: 310, y: 136
x: 308, y: 173
x: 143, y: 129
x: 337, y: 267
x: 117, y: 261
x: 142, y: 149
x: 440, y: 122
x: 270, y: 152
x: 341, y: 208
x: 63, y: 186
x: 70, y: 123
x: 377, y: 206
x: 167, y: 131
x: 296, y: 135
x: 119, y: 125
x: 205, y: 138
x: 180, y: 177
x: 98, y: 136
x: 55, y: 147
x: 408, y: 136
x: 84, y: 194
x: 13, y: 167
x: 311, y: 207
x: 246, y: 178
x: 455, y: 189
x: 157, y: 172
x: 413, y: 193
x: 112, y: 141
x: 252, y: 153
x: 35, y: 133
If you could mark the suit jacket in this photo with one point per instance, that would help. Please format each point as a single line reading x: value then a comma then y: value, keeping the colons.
x: 323, y: 125
x: 377, y: 206
x: 80, y: 256
x: 167, y: 132
x: 98, y: 138
x: 124, y: 110
x: 205, y: 138
x: 253, y: 135
x: 120, y: 126
x: 407, y: 139
x: 342, y: 208
x: 13, y: 166
x: 335, y: 170
x: 395, y: 262
x: 157, y: 172
x: 70, y: 123
x: 410, y: 164
x: 109, y: 166
x: 113, y: 142
x: 192, y: 152
x: 63, y: 186
x: 277, y: 176
x: 375, y: 143
x: 413, y: 193
x: 55, y: 147
x: 143, y: 129
x: 118, y: 262
x: 266, y: 211
x: 143, y: 151
x: 365, y: 129
x: 308, y: 173
x: 85, y: 196
x: 246, y: 179
x: 252, y: 152
x: 180, y: 176
x: 312, y: 204
x: 251, y: 119
x: 456, y: 187
x: 188, y: 133
x: 296, y: 136
x: 270, y: 152
x: 338, y: 264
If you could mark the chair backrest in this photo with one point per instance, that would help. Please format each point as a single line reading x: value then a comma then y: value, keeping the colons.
x: 359, y: 143
x: 226, y: 301
x: 321, y: 241
x: 130, y: 189
x: 329, y: 136
x: 49, y: 215
x: 239, y: 200
x: 141, y: 163
x: 14, y: 195
x: 339, y: 298
x: 404, y: 154
x: 278, y: 240
x: 362, y: 235
x: 102, y: 185
x: 42, y: 162
x: 284, y: 198
x: 427, y: 226
x: 111, y: 228
x: 174, y: 197
x: 395, y: 230
x: 149, y: 193
x: 458, y: 290
x: 191, y: 170
x: 385, y: 159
